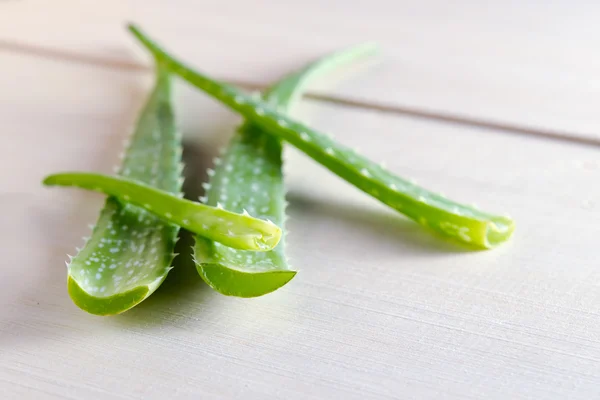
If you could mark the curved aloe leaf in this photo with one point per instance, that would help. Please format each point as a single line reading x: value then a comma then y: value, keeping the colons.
x: 240, y: 231
x: 130, y: 251
x: 249, y: 176
x: 449, y: 218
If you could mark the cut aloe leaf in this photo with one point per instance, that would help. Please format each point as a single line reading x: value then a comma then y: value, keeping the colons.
x: 130, y: 251
x: 240, y: 231
x: 249, y: 177
x: 449, y: 218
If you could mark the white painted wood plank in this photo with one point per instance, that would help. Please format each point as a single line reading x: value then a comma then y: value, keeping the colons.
x: 525, y: 63
x: 379, y: 309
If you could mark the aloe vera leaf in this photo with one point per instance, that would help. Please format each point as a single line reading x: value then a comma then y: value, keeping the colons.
x: 240, y: 231
x: 129, y: 253
x: 461, y: 222
x: 249, y: 177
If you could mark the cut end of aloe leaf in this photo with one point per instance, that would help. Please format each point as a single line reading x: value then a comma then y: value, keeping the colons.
x: 232, y: 282
x: 478, y: 232
x: 268, y: 241
x: 105, y: 306
x: 260, y: 237
x: 498, y: 231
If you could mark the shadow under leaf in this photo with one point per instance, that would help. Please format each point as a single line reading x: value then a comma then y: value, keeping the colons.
x: 388, y: 227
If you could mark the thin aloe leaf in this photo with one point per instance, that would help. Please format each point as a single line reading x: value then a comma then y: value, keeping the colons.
x: 240, y: 231
x: 461, y: 222
x: 129, y: 253
x: 249, y: 177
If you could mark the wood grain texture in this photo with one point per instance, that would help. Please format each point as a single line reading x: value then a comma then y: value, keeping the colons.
x: 379, y: 308
x: 520, y: 64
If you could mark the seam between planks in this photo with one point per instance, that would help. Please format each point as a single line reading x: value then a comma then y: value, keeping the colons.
x: 420, y: 113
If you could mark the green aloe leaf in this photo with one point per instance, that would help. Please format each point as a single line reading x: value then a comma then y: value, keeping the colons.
x: 449, y: 218
x: 240, y: 231
x: 130, y: 251
x: 248, y: 177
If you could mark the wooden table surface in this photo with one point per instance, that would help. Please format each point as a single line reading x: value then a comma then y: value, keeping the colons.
x: 490, y: 102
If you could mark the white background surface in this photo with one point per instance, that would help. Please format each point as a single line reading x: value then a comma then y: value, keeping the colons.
x: 380, y: 309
